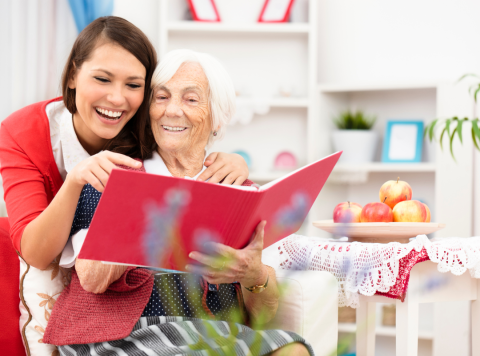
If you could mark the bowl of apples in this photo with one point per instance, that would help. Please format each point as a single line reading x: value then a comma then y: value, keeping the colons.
x: 395, y: 218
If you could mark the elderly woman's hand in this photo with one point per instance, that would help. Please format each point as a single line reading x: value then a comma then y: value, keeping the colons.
x: 229, y: 167
x: 226, y: 265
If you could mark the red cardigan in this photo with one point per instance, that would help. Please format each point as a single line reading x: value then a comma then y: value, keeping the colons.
x: 30, y: 175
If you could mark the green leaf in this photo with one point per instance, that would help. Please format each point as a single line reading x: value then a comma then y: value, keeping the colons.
x: 430, y: 131
x: 451, y: 144
x: 476, y: 93
x: 475, y: 140
x: 447, y: 125
x: 475, y: 128
x: 441, y: 137
x: 459, y: 130
x: 467, y: 75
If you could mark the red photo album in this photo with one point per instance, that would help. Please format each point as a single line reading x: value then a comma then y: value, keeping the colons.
x: 151, y: 220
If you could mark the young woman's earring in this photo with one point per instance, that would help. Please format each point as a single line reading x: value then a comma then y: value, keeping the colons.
x: 214, y: 133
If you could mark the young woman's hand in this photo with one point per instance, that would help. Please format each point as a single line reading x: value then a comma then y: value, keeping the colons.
x: 97, y: 169
x: 230, y: 168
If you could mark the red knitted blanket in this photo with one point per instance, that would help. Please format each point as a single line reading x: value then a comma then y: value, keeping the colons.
x: 81, y: 317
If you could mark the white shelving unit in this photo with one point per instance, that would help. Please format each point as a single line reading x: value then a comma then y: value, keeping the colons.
x: 261, y: 58
x: 445, y: 185
x: 192, y: 26
x: 265, y: 56
x: 387, y: 167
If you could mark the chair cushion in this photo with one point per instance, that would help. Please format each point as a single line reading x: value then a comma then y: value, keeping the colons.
x: 10, y: 338
x: 38, y: 293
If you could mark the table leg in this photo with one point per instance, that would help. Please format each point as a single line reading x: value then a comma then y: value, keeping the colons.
x: 407, y: 320
x: 366, y: 328
x: 476, y: 323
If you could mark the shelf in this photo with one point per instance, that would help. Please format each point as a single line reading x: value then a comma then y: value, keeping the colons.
x: 265, y: 177
x: 345, y: 88
x: 278, y: 102
x: 288, y: 102
x: 385, y: 167
x: 348, y: 173
x: 192, y: 26
x: 383, y: 331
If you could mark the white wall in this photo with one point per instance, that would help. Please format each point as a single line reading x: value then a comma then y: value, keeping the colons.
x: 142, y: 13
x: 409, y: 40
x: 36, y: 39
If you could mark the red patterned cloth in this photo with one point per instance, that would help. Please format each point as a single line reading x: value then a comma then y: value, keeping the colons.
x: 81, y: 317
x: 399, y: 289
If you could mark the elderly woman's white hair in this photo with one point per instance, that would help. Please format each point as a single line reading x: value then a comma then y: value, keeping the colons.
x: 222, y: 92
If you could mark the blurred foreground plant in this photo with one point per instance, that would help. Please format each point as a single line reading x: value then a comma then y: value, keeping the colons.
x: 454, y: 125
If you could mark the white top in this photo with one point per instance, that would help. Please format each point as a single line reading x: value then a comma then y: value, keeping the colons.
x: 155, y: 165
x: 67, y: 150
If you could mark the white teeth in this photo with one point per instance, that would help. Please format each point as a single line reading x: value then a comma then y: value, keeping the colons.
x: 170, y: 128
x: 112, y: 114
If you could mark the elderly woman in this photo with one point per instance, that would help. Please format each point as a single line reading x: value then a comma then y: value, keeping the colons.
x: 193, y: 100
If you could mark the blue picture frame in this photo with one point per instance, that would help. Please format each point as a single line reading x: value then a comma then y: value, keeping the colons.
x: 403, y: 141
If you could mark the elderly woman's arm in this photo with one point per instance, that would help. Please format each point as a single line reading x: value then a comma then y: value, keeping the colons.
x: 224, y: 264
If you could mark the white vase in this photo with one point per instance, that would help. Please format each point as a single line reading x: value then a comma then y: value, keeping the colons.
x: 358, y: 146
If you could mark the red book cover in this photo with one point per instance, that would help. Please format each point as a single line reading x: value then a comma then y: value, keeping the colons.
x: 151, y: 220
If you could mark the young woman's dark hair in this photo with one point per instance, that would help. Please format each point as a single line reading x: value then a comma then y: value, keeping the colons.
x: 134, y: 137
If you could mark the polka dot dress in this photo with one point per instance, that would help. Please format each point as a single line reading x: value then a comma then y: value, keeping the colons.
x: 173, y: 294
x: 180, y: 294
x: 87, y: 204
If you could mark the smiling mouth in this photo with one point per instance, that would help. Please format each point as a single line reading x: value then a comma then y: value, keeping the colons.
x: 173, y: 128
x: 109, y: 114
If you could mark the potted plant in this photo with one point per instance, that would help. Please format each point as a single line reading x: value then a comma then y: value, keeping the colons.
x: 354, y: 137
x: 454, y: 125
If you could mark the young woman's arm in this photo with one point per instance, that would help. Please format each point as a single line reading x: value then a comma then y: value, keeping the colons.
x: 40, y: 230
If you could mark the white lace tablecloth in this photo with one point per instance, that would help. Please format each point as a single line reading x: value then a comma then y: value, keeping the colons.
x: 368, y: 268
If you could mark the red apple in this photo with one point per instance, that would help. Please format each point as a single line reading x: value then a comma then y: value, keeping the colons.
x: 393, y: 192
x: 376, y: 212
x: 410, y: 211
x: 428, y: 213
x: 347, y: 212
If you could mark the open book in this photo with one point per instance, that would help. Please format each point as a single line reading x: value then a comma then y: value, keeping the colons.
x: 151, y: 220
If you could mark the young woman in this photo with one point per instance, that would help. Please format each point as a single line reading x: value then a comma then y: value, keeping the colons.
x: 50, y: 150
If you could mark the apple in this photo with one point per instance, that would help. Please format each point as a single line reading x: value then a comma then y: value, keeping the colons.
x: 393, y: 192
x: 410, y: 211
x: 376, y: 212
x: 347, y: 212
x: 428, y: 213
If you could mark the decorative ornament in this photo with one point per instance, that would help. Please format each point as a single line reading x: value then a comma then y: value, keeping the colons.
x: 285, y: 160
x: 204, y: 10
x: 276, y: 11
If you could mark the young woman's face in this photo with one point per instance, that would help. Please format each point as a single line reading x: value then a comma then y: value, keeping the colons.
x: 109, y: 89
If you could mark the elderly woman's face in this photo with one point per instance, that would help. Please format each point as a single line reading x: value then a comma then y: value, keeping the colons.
x: 180, y: 112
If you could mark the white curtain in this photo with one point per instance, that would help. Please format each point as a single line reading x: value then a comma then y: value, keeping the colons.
x: 35, y: 39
